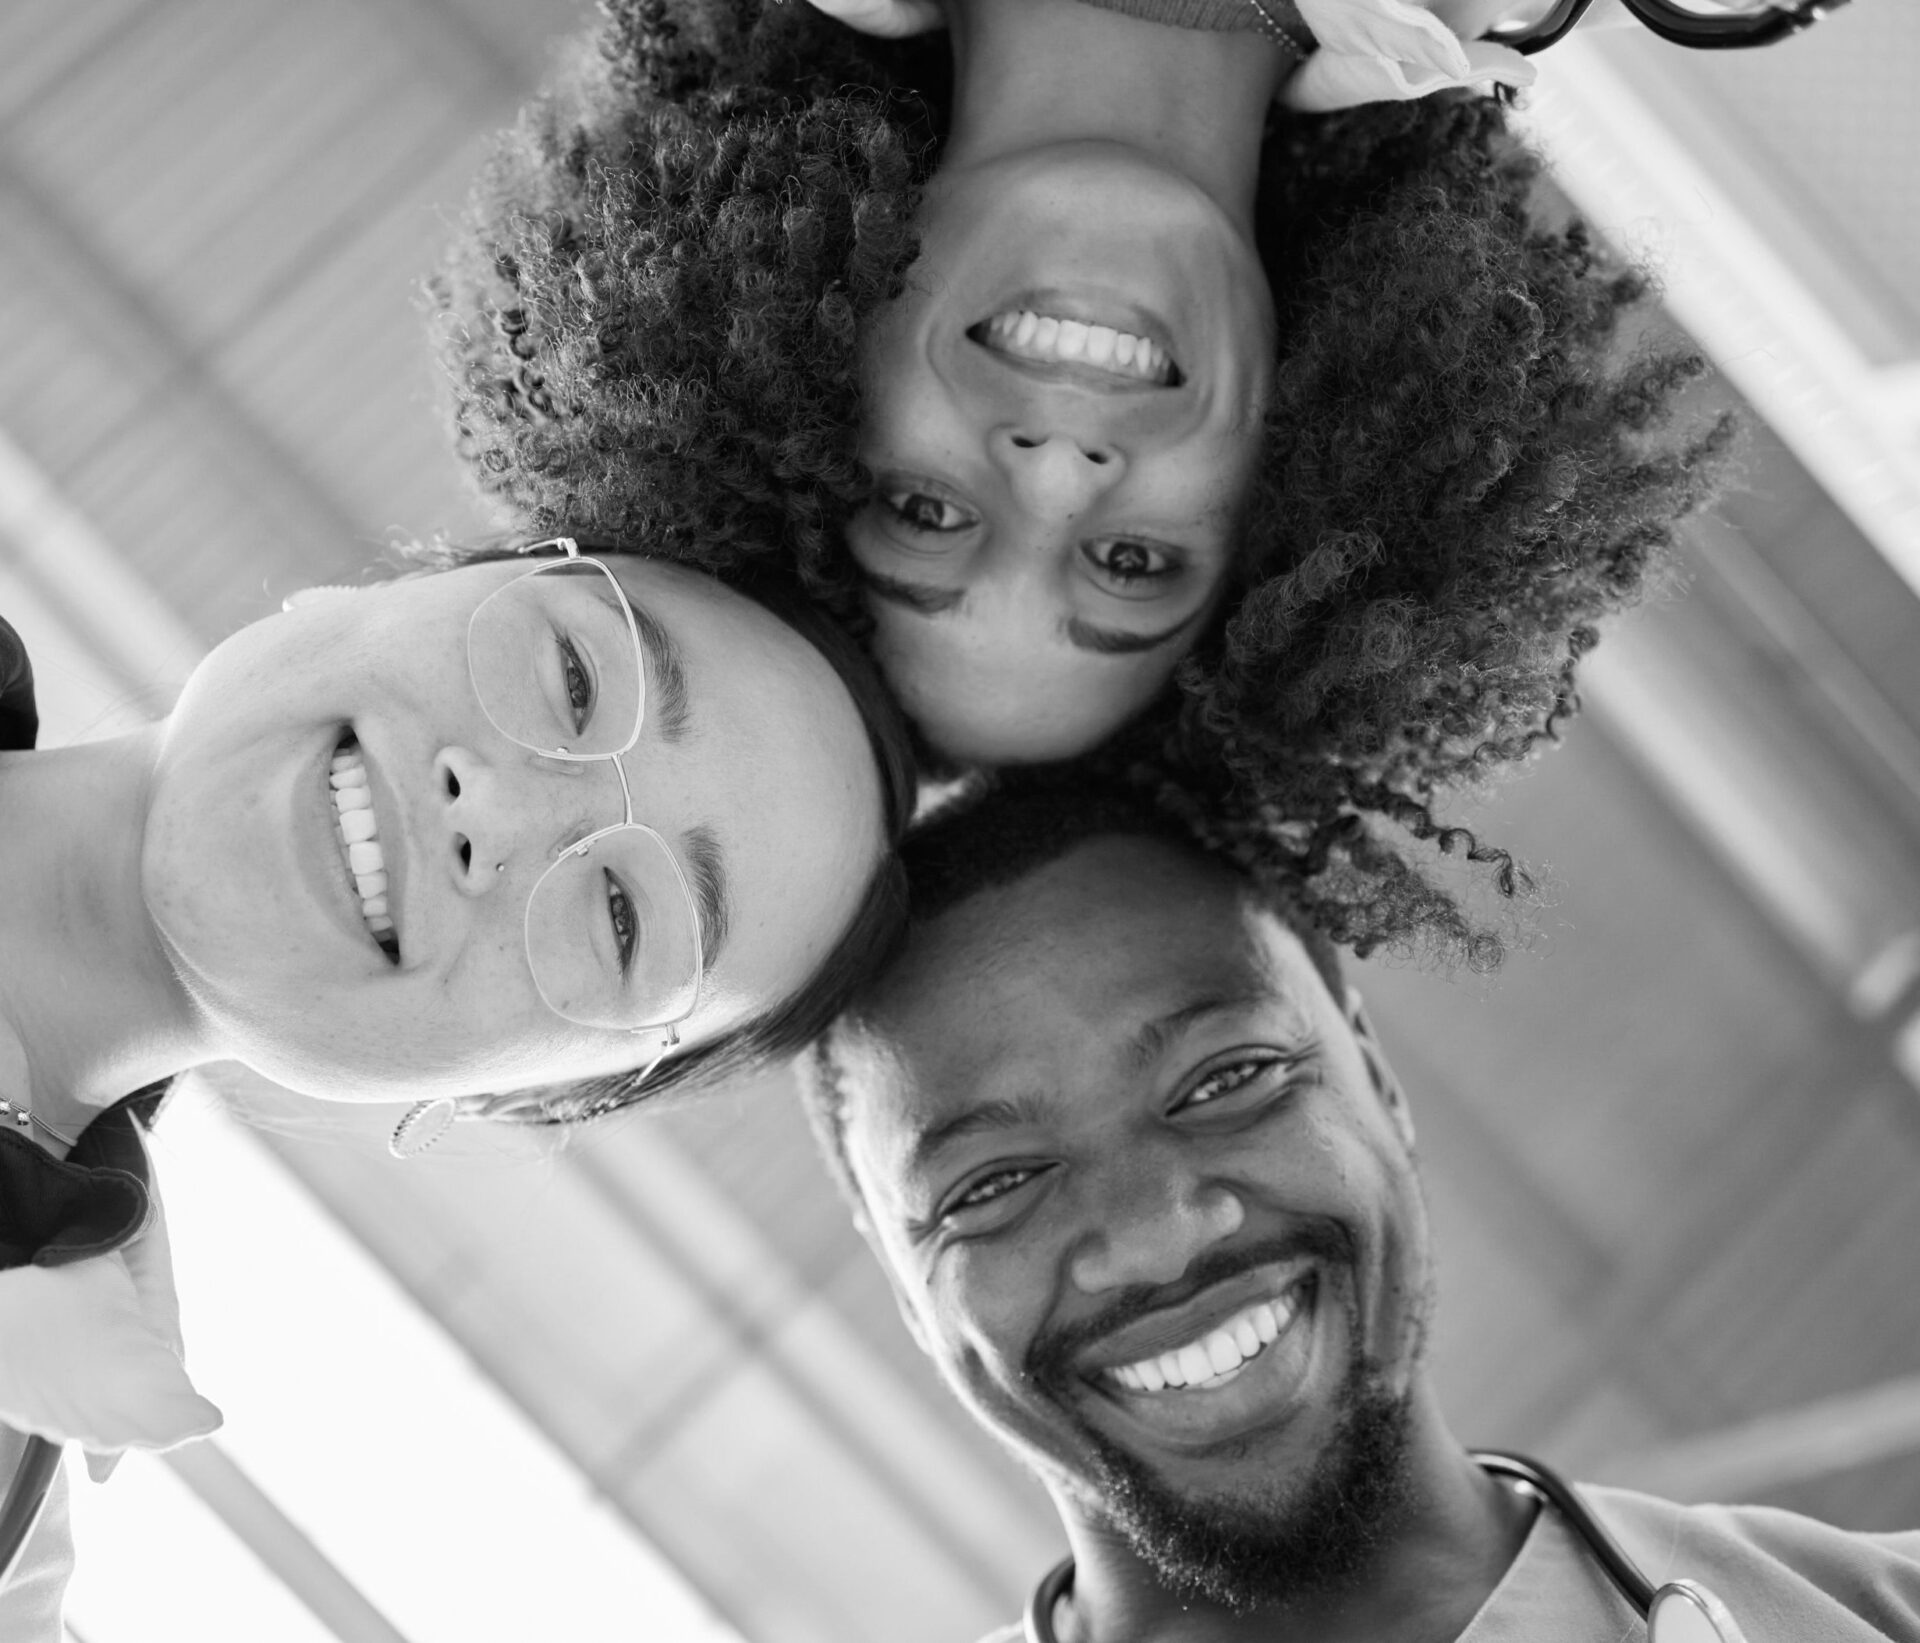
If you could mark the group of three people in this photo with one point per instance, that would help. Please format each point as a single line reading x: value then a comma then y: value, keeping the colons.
x: 1261, y: 470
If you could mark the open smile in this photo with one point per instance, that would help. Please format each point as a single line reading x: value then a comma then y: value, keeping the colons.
x: 1081, y: 350
x: 357, y: 832
x: 1243, y: 1357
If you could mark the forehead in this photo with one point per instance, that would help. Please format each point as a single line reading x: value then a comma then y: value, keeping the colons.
x: 1050, y: 987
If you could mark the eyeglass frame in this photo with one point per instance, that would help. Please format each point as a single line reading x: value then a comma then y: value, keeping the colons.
x: 1674, y: 24
x: 581, y: 846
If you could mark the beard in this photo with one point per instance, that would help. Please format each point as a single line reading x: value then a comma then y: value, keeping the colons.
x: 1306, y: 1533
x: 1272, y: 1547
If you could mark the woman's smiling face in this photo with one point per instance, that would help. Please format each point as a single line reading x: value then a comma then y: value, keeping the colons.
x: 1063, y: 414
x: 761, y: 782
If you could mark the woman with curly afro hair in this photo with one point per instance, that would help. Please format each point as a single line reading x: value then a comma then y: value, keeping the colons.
x: 1284, y: 460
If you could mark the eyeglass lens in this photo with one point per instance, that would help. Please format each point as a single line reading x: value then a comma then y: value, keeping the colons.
x: 612, y: 933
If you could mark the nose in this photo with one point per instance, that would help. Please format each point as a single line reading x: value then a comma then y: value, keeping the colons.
x: 1057, y: 473
x: 498, y: 813
x: 1153, y: 1223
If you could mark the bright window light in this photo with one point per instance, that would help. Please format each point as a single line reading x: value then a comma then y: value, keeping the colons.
x: 407, y: 1470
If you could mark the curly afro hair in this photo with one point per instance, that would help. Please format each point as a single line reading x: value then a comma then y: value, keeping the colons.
x: 649, y: 322
x: 650, y: 326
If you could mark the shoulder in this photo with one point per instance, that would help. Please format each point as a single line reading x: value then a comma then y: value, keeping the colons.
x: 19, y: 722
x: 1220, y: 15
x: 1782, y: 1569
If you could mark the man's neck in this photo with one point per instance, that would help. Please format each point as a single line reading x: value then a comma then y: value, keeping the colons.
x: 1453, y: 1539
x: 1032, y: 73
x: 89, y: 1003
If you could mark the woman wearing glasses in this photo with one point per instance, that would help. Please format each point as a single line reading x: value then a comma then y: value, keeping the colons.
x: 529, y: 838
x: 1111, y: 401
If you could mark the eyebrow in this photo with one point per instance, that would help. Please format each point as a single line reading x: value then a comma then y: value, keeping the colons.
x: 1081, y: 634
x: 1002, y: 1113
x: 1117, y: 642
x: 926, y: 601
x: 1151, y: 1040
x: 667, y: 689
x: 667, y: 711
x: 709, y: 883
x: 1029, y: 1110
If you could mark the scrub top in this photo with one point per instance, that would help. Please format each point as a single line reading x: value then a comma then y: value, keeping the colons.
x: 1785, y: 1578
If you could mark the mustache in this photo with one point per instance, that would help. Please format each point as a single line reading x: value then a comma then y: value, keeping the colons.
x: 1051, y: 1353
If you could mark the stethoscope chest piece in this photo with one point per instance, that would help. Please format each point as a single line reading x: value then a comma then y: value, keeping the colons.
x: 1683, y: 1611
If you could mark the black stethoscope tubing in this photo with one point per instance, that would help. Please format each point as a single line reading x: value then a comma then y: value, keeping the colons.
x: 26, y: 1500
x: 1547, y: 1483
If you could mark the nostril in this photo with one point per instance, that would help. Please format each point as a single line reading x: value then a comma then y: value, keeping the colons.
x: 1027, y: 444
x: 466, y: 854
x: 453, y: 785
x: 1098, y: 458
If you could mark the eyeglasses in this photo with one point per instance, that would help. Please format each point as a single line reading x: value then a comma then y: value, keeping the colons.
x: 1707, y: 25
x: 613, y: 931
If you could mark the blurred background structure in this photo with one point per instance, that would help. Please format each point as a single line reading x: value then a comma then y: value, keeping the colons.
x: 649, y: 1385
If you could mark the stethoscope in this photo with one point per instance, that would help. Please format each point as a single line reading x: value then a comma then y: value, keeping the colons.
x: 26, y: 1499
x: 1682, y: 1611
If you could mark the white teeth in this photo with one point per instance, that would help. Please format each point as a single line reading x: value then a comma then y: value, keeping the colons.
x: 1217, y: 1354
x: 1220, y: 1348
x: 1048, y: 340
x: 359, y: 839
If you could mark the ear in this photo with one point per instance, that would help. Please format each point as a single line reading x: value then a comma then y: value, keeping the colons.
x: 1386, y: 1082
x: 319, y: 595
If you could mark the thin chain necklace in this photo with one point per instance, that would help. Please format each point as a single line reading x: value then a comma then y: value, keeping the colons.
x: 11, y: 1112
x: 1278, y: 32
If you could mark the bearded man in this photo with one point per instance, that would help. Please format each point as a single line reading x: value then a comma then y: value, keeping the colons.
x: 1146, y: 1189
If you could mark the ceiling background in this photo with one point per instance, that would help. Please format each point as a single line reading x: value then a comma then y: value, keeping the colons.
x: 1673, y: 1147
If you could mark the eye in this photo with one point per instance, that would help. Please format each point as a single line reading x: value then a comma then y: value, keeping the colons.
x: 624, y: 922
x: 995, y: 1187
x: 1243, y: 1081
x: 923, y: 512
x: 1126, y: 562
x: 576, y: 681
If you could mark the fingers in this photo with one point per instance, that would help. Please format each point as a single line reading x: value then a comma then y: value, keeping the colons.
x: 81, y: 1363
x: 888, y: 19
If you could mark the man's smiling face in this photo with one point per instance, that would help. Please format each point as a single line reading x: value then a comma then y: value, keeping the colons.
x: 1148, y: 1195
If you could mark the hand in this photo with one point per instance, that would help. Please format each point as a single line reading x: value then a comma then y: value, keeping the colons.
x: 890, y: 19
x: 1373, y: 51
x: 90, y: 1352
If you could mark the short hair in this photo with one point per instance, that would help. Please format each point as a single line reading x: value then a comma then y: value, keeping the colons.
x: 872, y: 936
x: 1005, y: 833
x: 650, y: 326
